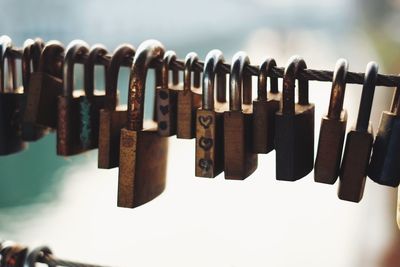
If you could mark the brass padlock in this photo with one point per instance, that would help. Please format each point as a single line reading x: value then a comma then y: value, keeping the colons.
x: 384, y: 167
x: 189, y: 99
x: 78, y: 116
x: 239, y: 160
x: 209, y: 119
x: 45, y: 85
x: 333, y: 130
x: 11, y: 102
x: 143, y: 153
x: 167, y: 97
x: 264, y: 109
x: 294, y: 135
x: 112, y: 118
x: 30, y: 62
x: 359, y: 141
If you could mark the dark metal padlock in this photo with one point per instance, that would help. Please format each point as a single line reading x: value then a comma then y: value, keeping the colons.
x: 45, y: 86
x: 12, y: 254
x: 264, y: 109
x: 359, y: 141
x: 30, y: 62
x: 11, y: 102
x: 294, y: 135
x: 112, y: 118
x: 189, y: 100
x: 333, y: 130
x: 384, y: 167
x: 210, y: 119
x: 239, y: 160
x: 143, y: 153
x: 78, y: 117
x: 167, y: 97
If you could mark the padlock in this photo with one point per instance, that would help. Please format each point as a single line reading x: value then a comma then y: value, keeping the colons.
x: 12, y: 254
x: 11, y: 102
x: 333, y: 130
x: 210, y: 119
x: 112, y: 119
x: 45, y: 85
x: 78, y: 117
x: 189, y: 99
x: 143, y: 153
x: 294, y: 135
x: 239, y: 159
x: 264, y: 109
x: 357, y: 151
x: 30, y: 62
x: 384, y: 167
x: 167, y: 97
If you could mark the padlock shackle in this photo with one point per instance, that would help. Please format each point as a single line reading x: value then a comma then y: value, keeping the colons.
x: 95, y: 51
x: 30, y: 54
x: 294, y: 65
x: 75, y: 50
x: 213, y: 59
x: 52, y: 59
x: 169, y: 58
x: 190, y: 60
x: 264, y: 72
x: 120, y: 54
x: 148, y: 52
x: 239, y: 81
x: 338, y: 89
x: 11, y: 83
x: 367, y: 97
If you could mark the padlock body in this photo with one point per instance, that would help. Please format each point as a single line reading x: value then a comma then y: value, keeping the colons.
x: 188, y: 103
x: 166, y: 104
x: 142, y: 169
x: 239, y: 160
x: 330, y: 148
x: 10, y: 123
x: 78, y: 124
x: 42, y: 99
x: 264, y: 125
x: 111, y: 123
x: 384, y: 167
x: 294, y: 143
x: 353, y: 170
x: 209, y: 143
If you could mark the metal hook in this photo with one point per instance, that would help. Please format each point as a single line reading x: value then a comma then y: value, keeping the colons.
x: 265, y: 70
x: 338, y: 89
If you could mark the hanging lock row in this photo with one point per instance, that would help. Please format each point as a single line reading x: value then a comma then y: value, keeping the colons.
x: 229, y: 134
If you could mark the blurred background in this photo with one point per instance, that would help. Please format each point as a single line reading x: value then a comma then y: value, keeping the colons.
x: 70, y: 205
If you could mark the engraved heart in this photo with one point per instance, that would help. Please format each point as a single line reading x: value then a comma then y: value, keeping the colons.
x: 205, y: 143
x: 163, y: 95
x: 205, y: 164
x: 164, y: 109
x: 205, y: 121
x: 162, y: 125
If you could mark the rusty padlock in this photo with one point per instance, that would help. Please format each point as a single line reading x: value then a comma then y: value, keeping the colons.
x: 189, y: 99
x: 359, y: 141
x: 78, y: 117
x: 384, y: 167
x: 239, y: 160
x: 210, y: 119
x: 167, y: 97
x: 333, y: 130
x: 45, y: 85
x: 30, y: 62
x: 143, y: 153
x: 294, y: 135
x: 264, y: 109
x: 12, y: 254
x: 112, y: 118
x: 11, y: 102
